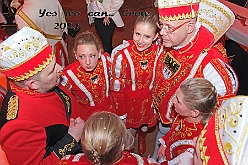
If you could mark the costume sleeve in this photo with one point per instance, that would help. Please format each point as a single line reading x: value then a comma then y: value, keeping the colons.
x: 165, y: 138
x: 216, y: 69
x: 24, y: 142
x: 120, y: 47
x: 113, y: 7
x: 117, y: 82
x: 223, y: 77
x: 182, y: 159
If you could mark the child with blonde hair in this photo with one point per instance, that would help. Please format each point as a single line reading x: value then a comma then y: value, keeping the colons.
x: 133, y: 72
x: 195, y: 102
x: 103, y: 140
x: 88, y: 77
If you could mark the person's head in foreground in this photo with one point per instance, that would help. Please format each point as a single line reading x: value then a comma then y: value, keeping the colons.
x: 145, y: 31
x: 225, y: 138
x: 104, y: 138
x: 180, y: 21
x: 27, y: 60
x: 87, y: 50
x: 196, y: 100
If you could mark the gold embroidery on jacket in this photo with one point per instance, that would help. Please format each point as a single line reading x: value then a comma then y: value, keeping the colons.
x: 67, y: 99
x: 220, y: 47
x: 203, y: 148
x: 12, y: 108
x: 172, y: 63
x: 67, y: 147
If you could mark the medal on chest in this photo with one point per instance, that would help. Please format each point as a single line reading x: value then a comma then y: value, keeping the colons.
x: 144, y: 64
x: 94, y: 79
x: 170, y: 66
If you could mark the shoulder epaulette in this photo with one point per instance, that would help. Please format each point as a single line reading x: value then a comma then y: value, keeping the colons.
x: 10, y: 106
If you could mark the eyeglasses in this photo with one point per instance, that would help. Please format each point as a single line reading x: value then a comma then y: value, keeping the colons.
x: 168, y: 29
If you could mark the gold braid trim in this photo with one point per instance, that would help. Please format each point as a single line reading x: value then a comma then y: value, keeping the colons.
x: 222, y: 26
x: 34, y: 26
x: 179, y: 16
x: 12, y: 108
x: 222, y: 10
x: 203, y: 148
x: 67, y: 101
x: 218, y: 140
x: 35, y: 71
x: 221, y: 49
x: 67, y: 147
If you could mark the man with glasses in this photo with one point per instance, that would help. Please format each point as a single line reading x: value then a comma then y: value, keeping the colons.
x: 190, y: 32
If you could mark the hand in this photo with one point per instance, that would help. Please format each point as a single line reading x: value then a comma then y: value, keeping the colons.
x: 76, y: 128
x: 184, y: 158
x: 161, y: 152
x: 106, y: 21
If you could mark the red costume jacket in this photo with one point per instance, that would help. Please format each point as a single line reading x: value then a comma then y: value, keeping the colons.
x: 196, y: 59
x: 224, y: 140
x: 212, y: 150
x: 180, y: 137
x: 34, y: 126
x: 127, y: 159
x: 132, y: 82
x: 90, y: 89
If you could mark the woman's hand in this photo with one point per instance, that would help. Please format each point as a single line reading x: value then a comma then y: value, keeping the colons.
x: 106, y: 21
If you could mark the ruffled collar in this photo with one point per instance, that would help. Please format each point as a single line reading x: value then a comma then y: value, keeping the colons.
x: 193, y: 39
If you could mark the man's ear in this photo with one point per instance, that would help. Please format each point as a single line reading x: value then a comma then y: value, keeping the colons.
x: 191, y: 26
x: 194, y: 113
x: 33, y: 85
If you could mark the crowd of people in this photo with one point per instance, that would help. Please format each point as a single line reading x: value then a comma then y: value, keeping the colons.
x: 90, y: 111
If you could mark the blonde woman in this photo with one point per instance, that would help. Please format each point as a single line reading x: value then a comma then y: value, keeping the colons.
x: 195, y: 102
x: 133, y: 72
x: 103, y: 140
x: 88, y: 76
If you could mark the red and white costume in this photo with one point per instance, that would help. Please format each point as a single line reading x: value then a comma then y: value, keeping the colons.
x: 132, y: 82
x: 180, y: 138
x: 201, y: 57
x: 127, y: 159
x: 34, y: 125
x: 224, y: 140
x: 41, y: 121
x: 91, y: 89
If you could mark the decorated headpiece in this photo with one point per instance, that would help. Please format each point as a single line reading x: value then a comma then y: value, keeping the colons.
x: 211, y: 14
x: 225, y: 139
x: 171, y: 10
x: 24, y: 54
